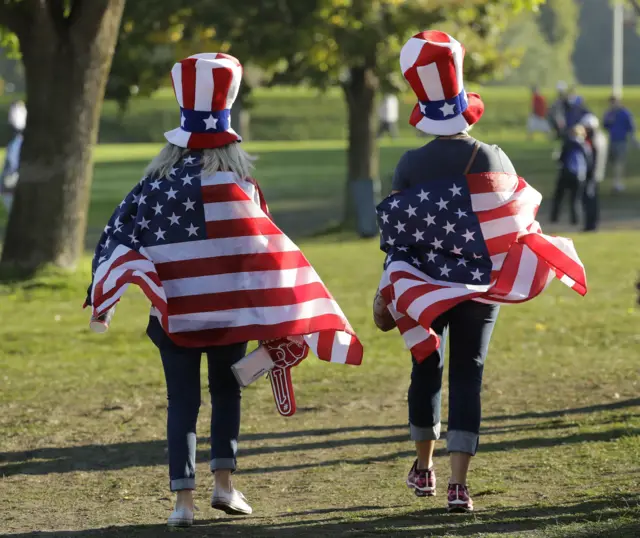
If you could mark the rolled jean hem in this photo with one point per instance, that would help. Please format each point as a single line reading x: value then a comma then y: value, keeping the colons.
x: 462, y: 441
x: 183, y: 483
x: 428, y: 433
x: 223, y: 463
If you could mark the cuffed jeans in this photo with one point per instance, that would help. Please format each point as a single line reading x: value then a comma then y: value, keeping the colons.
x: 182, y: 374
x: 470, y: 325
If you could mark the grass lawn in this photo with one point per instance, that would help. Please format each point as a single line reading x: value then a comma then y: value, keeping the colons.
x: 304, y: 181
x: 82, y: 416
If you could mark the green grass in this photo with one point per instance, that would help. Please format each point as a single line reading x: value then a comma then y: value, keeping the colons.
x: 283, y: 113
x: 82, y: 416
x: 304, y: 181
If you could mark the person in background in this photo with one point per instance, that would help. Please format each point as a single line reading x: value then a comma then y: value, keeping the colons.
x: 9, y: 176
x: 557, y: 111
x: 575, y: 110
x: 537, y: 122
x: 388, y: 114
x: 597, y: 142
x: 619, y: 123
x: 575, y: 161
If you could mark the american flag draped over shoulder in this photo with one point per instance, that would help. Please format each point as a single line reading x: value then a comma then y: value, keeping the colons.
x: 470, y: 237
x: 215, y: 267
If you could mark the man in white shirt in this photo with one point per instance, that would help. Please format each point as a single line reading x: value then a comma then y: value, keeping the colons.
x: 388, y: 114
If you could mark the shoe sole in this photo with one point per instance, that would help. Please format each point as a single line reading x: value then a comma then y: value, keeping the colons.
x: 229, y: 510
x: 421, y: 492
x: 459, y: 509
x: 180, y: 523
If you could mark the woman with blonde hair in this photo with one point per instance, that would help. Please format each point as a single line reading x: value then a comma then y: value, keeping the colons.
x: 196, y: 236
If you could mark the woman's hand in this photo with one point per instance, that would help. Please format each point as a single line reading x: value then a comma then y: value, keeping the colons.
x: 381, y: 315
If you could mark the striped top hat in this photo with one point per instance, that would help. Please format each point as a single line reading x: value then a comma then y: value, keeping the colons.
x: 205, y: 85
x: 431, y: 62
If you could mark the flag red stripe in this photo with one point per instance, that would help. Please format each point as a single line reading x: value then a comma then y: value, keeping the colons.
x: 501, y: 244
x: 223, y: 192
x: 221, y: 83
x: 215, y: 302
x: 509, y: 271
x: 488, y: 182
x: 189, y: 83
x: 130, y: 256
x: 219, y: 229
x: 211, y: 140
x: 556, y: 257
x: 325, y: 344
x: 325, y: 325
x: 128, y: 277
x: 240, y: 263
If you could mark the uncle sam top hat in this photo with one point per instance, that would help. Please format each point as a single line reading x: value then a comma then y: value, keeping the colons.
x: 431, y: 62
x: 205, y: 85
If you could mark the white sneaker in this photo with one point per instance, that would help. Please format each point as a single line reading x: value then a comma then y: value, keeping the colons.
x: 181, y: 517
x: 231, y: 502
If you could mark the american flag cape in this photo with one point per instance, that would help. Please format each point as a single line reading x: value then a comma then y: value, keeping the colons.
x: 469, y: 237
x: 215, y: 267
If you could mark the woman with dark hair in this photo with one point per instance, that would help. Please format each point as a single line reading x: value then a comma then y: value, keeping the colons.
x: 461, y: 238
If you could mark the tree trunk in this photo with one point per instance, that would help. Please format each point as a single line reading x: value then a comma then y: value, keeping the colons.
x: 67, y: 61
x: 362, y: 153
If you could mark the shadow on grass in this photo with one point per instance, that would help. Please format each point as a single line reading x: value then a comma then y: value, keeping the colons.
x: 373, y: 521
x: 152, y: 453
x: 632, y: 402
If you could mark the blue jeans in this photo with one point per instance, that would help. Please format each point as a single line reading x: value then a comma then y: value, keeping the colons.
x: 470, y: 325
x: 182, y: 374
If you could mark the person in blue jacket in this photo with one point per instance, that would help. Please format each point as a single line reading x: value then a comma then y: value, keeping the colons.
x: 619, y: 122
x: 576, y: 162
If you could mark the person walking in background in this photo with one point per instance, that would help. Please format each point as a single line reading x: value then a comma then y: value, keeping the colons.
x: 9, y: 177
x: 388, y: 114
x: 558, y: 110
x: 575, y: 163
x: 597, y: 142
x: 440, y: 269
x: 619, y: 123
x: 537, y: 122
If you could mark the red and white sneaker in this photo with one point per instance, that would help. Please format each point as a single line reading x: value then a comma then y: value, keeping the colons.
x: 458, y: 499
x: 422, y: 482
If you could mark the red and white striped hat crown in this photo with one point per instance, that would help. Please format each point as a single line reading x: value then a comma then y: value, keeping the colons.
x: 431, y: 62
x: 205, y: 85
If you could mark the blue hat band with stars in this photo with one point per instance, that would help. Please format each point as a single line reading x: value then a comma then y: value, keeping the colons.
x: 199, y: 121
x: 446, y: 108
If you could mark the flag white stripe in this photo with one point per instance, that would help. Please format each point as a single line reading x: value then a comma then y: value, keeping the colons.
x: 228, y: 246
x: 219, y: 178
x: 487, y: 201
x: 417, y: 307
x: 232, y: 210
x: 524, y: 278
x: 176, y: 75
x: 340, y: 348
x: 111, y: 281
x: 415, y: 336
x: 241, y: 317
x: 258, y: 280
x: 505, y: 225
x: 204, y: 85
x: 498, y: 260
x: 410, y: 52
x: 430, y: 79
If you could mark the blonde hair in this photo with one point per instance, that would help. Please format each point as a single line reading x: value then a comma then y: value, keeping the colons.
x: 229, y: 158
x: 579, y: 131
